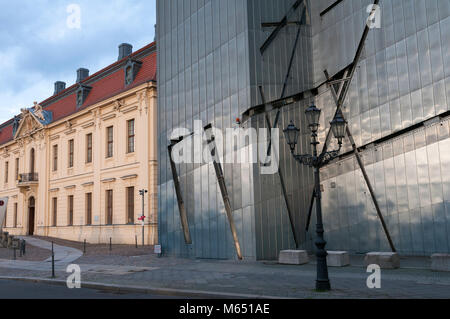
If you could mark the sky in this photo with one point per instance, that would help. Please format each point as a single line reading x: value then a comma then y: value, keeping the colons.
x: 44, y: 41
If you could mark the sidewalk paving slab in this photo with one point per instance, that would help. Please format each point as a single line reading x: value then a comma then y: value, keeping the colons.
x: 245, y: 279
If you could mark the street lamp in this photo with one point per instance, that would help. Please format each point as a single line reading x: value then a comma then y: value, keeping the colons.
x: 142, y: 192
x: 291, y: 133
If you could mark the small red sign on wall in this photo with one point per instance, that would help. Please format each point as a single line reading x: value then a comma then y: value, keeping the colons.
x: 2, y: 203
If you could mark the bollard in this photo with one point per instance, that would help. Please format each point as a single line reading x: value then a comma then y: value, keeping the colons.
x: 24, y: 243
x: 22, y: 248
x: 110, y: 244
x: 84, y: 247
x: 136, y: 240
x: 53, y: 263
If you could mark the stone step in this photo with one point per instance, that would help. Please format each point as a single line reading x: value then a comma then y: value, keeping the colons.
x: 338, y: 258
x: 386, y: 260
x: 440, y: 262
x: 293, y: 257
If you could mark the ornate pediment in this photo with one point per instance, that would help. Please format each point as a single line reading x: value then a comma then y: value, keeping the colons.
x: 28, y: 125
x: 31, y: 121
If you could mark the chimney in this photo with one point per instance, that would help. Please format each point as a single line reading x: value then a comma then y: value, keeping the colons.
x: 82, y: 74
x: 59, y: 87
x: 125, y: 50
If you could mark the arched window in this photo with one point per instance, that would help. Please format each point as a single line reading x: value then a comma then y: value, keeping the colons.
x: 32, y: 202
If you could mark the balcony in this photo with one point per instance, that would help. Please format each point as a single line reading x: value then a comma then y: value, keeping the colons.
x: 29, y: 179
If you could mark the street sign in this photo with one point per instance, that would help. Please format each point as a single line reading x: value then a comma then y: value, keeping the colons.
x: 157, y: 249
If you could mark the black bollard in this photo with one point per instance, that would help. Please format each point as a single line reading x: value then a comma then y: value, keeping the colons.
x: 136, y: 240
x: 53, y: 263
x: 22, y: 248
x: 84, y: 247
x: 110, y: 244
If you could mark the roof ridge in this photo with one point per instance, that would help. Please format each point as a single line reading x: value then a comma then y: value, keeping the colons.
x: 148, y: 46
x: 58, y: 103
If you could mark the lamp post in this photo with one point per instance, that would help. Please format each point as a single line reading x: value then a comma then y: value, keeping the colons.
x: 338, y: 126
x: 142, y: 192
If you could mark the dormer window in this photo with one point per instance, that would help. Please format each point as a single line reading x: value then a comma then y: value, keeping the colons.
x: 82, y: 94
x: 79, y: 98
x: 129, y: 75
x: 131, y: 70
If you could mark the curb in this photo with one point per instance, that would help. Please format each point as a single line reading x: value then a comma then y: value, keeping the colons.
x: 145, y: 290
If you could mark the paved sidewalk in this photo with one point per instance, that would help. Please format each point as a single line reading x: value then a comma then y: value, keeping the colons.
x: 242, y: 278
x: 252, y: 278
x: 63, y: 255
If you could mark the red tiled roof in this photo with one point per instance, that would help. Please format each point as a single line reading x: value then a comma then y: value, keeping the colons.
x: 6, y: 134
x: 102, y: 89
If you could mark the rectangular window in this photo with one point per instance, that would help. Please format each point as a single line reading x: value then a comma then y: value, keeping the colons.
x: 130, y: 136
x: 55, y: 211
x: 109, y: 141
x: 55, y: 158
x: 109, y: 207
x: 130, y: 205
x: 15, y: 215
x: 17, y: 169
x: 89, y: 148
x: 6, y: 171
x: 88, y: 208
x: 71, y: 150
x: 70, y: 210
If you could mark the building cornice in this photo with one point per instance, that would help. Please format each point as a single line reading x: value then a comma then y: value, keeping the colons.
x: 104, y: 103
x: 149, y: 86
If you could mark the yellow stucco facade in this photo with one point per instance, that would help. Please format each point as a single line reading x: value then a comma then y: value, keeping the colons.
x: 77, y: 172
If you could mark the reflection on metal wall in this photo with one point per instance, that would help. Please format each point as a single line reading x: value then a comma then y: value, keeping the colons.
x: 209, y: 69
x: 403, y: 79
x: 203, y: 74
x: 412, y: 187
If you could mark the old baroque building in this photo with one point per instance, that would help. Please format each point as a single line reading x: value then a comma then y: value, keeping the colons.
x: 72, y: 166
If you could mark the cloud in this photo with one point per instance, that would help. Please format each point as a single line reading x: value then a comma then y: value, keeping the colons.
x: 37, y: 48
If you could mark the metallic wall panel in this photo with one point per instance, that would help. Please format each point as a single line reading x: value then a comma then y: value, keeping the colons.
x: 210, y: 67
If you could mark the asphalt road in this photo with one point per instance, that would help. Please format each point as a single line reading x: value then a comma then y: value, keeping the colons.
x: 12, y: 289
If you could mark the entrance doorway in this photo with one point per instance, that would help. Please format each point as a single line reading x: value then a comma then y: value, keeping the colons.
x: 31, y: 217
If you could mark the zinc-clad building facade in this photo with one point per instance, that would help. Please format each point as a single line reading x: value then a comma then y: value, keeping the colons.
x: 210, y: 67
x: 398, y: 108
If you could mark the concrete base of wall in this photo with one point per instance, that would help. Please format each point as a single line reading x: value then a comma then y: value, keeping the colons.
x: 120, y: 234
x: 293, y: 257
x: 440, y: 262
x: 383, y: 259
x: 338, y: 258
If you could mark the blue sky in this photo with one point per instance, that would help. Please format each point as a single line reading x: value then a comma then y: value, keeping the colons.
x: 39, y: 47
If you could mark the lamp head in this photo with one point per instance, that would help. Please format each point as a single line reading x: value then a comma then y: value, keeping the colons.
x: 338, y: 127
x: 313, y: 117
x: 291, y: 134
